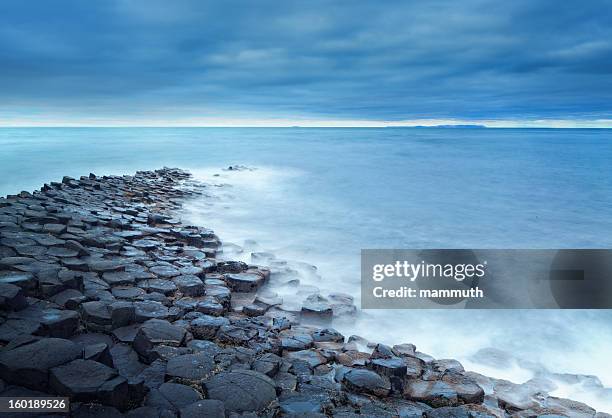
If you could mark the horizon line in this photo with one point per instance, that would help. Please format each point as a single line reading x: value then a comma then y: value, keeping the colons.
x: 100, y: 122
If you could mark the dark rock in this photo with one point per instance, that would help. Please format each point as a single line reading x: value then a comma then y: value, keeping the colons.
x: 164, y: 271
x: 172, y: 396
x: 189, y: 285
x: 150, y: 310
x: 452, y: 390
x: 12, y: 297
x: 57, y: 323
x: 244, y: 282
x: 366, y: 381
x: 267, y: 364
x: 154, y: 332
x: 242, y: 391
x: 165, y: 287
x: 69, y: 299
x: 127, y: 334
x: 327, y: 335
x: 17, y: 367
x: 190, y: 367
x: 86, y: 381
x: 205, y: 327
x: 85, y: 410
x: 207, y: 408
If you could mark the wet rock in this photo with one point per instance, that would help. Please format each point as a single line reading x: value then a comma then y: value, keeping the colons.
x: 54, y: 322
x: 119, y: 278
x: 145, y: 311
x: 327, y: 335
x: 165, y: 287
x: 12, y: 297
x: 69, y: 299
x: 24, y: 280
x: 190, y: 367
x: 242, y: 391
x: 207, y: 408
x: 86, y: 380
x: 312, y: 358
x: 126, y: 334
x: 451, y: 390
x: 317, y: 307
x: 205, y: 327
x: 17, y: 367
x: 163, y: 271
x: 389, y: 367
x: 154, y: 332
x: 189, y: 285
x: 366, y: 381
x: 236, y: 335
x: 231, y: 267
x: 244, y: 282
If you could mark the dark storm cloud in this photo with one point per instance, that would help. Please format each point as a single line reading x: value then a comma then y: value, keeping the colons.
x: 341, y: 59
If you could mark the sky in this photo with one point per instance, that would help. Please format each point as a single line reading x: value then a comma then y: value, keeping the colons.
x: 315, y: 63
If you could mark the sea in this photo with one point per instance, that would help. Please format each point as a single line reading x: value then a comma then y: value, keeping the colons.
x: 310, y: 199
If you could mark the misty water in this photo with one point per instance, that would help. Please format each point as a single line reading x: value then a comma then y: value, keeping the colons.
x: 318, y: 196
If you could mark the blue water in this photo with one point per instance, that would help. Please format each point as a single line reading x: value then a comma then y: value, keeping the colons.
x: 320, y: 195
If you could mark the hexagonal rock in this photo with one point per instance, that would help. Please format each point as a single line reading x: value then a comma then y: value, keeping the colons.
x: 119, y: 278
x: 26, y: 281
x: 206, y: 326
x: 366, y: 381
x: 244, y: 282
x: 87, y: 380
x: 157, y: 331
x: 58, y: 323
x: 452, y: 390
x: 242, y: 390
x: 190, y: 367
x: 207, y: 408
x: 189, y: 285
x: 12, y: 297
x: 311, y: 357
x: 164, y: 271
x: 393, y: 366
x: 163, y: 286
x: 17, y: 365
x: 172, y: 396
x: 150, y: 309
x: 327, y: 335
x: 69, y: 298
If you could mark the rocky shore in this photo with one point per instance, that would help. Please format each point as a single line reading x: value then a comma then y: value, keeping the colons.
x: 108, y: 299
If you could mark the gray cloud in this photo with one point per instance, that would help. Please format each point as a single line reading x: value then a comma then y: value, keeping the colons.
x: 342, y: 59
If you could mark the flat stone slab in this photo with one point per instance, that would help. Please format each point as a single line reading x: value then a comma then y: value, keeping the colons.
x: 87, y: 380
x: 17, y: 366
x: 12, y: 297
x: 244, y: 282
x: 172, y: 396
x: 207, y: 408
x: 242, y: 390
x: 189, y: 285
x: 205, y: 327
x: 190, y: 367
x: 157, y: 331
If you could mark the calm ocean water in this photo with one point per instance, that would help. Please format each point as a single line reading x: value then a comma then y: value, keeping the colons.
x: 320, y: 195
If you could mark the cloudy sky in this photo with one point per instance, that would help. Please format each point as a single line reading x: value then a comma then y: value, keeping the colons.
x: 354, y: 62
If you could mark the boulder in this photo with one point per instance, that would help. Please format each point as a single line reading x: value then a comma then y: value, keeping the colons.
x: 366, y: 381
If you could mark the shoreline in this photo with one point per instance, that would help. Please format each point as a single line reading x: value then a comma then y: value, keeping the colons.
x: 127, y: 307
